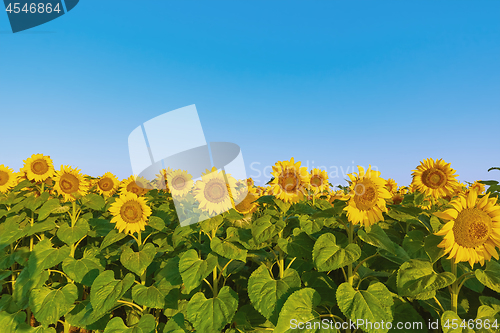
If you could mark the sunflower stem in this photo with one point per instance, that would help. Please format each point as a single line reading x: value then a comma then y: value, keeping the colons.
x: 454, y: 287
x: 139, y: 240
x: 73, y: 216
x: 350, y: 275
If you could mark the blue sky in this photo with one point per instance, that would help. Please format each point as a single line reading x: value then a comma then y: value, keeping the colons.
x: 330, y: 83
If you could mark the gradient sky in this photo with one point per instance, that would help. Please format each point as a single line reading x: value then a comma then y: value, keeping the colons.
x: 330, y: 83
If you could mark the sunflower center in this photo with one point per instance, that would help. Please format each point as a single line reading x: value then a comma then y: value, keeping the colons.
x: 365, y: 194
x: 69, y: 183
x: 472, y: 227
x: 4, y: 177
x: 289, y: 181
x: 316, y: 181
x: 179, y: 183
x: 106, y: 184
x: 215, y: 191
x: 132, y: 187
x: 434, y: 178
x: 39, y: 167
x: 131, y: 212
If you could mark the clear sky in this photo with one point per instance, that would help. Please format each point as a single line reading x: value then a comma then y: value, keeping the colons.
x: 330, y: 83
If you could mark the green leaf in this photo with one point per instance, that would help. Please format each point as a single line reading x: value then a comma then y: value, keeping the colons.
x: 283, y: 206
x: 49, y: 305
x: 175, y: 324
x: 263, y: 229
x: 83, y: 271
x: 193, y: 269
x: 156, y: 222
x: 377, y: 237
x: 323, y: 284
x: 211, y: 315
x: 10, y: 232
x: 138, y: 262
x: 269, y: 295
x: 211, y: 224
x: 42, y: 226
x: 431, y: 247
x: 490, y: 277
x: 106, y: 291
x: 44, y: 256
x: 71, y: 235
x: 299, y: 245
x: 112, y: 237
x: 13, y: 323
x: 299, y: 308
x: 413, y: 244
x: 93, y: 201
x: 371, y: 305
x: 26, y: 282
x: 410, y: 319
x: 169, y: 274
x: 416, y: 278
x: 399, y: 258
x: 328, y: 256
x: 48, y: 207
x: 451, y: 322
x: 228, y: 249
x: 146, y: 324
x: 152, y: 297
x: 309, y: 225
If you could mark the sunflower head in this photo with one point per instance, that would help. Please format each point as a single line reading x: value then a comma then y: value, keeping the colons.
x: 107, y: 184
x: 136, y: 185
x: 290, y: 181
x: 391, y: 186
x: 214, y: 194
x: 70, y: 183
x: 318, y: 181
x: 478, y: 187
x: 246, y: 200
x: 130, y: 213
x: 38, y: 167
x: 473, y: 231
x: 8, y: 178
x: 179, y: 182
x: 367, y: 197
x: 435, y: 178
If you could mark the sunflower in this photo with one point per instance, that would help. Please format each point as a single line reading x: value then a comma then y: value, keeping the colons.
x: 436, y: 179
x: 179, y: 182
x: 38, y: 167
x: 473, y: 231
x: 391, y: 186
x: 136, y: 185
x: 70, y: 183
x: 107, y: 184
x: 336, y: 195
x: 130, y: 213
x: 367, y: 197
x: 290, y: 181
x: 247, y: 204
x: 480, y: 188
x: 8, y: 178
x: 213, y: 193
x: 318, y: 181
x: 161, y: 179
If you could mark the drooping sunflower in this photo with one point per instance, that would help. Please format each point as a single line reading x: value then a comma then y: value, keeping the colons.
x: 290, y: 181
x: 480, y: 188
x: 8, y: 178
x: 391, y: 186
x: 367, y: 197
x: 473, y: 231
x: 247, y: 205
x: 161, y: 179
x: 130, y: 213
x: 70, y: 183
x: 318, y: 181
x: 179, y: 182
x: 336, y: 195
x: 38, y: 167
x: 107, y: 184
x: 435, y: 178
x: 213, y: 193
x: 136, y: 185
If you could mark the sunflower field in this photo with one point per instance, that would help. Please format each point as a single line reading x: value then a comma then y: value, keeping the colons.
x: 86, y: 254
